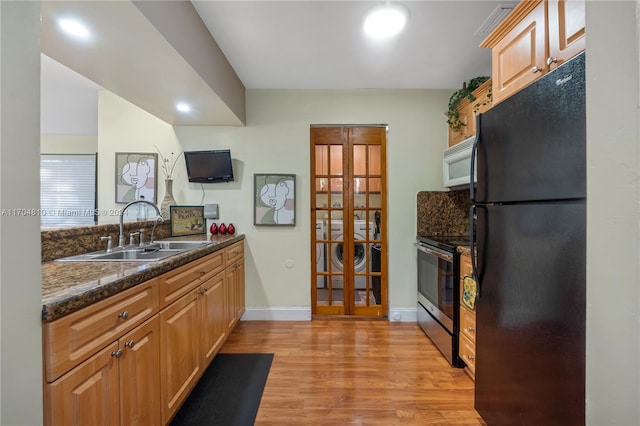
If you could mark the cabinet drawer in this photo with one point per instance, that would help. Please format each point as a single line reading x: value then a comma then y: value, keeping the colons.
x: 73, y: 338
x: 235, y: 252
x: 468, y: 324
x: 465, y: 266
x: 467, y: 352
x: 177, y: 283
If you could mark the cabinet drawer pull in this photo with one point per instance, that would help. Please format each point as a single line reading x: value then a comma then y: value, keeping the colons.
x: 536, y: 69
x: 471, y: 329
x: 203, y: 272
x: 123, y: 315
x: 470, y: 357
x: 117, y: 354
x: 130, y: 344
x: 202, y: 291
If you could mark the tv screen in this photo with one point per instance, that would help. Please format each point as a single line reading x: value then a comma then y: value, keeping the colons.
x: 209, y: 166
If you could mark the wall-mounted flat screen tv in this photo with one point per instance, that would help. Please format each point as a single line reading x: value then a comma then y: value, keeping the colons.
x: 209, y: 166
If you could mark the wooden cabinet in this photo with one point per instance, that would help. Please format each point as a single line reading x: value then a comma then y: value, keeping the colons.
x: 467, y: 335
x: 566, y: 28
x: 75, y: 337
x: 133, y: 358
x: 537, y: 36
x: 235, y: 284
x: 468, y: 110
x: 194, y: 327
x: 118, y: 385
x: 180, y: 358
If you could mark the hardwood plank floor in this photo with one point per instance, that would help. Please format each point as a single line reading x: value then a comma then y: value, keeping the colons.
x: 355, y: 372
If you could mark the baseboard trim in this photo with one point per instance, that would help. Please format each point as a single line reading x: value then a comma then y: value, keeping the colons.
x: 283, y: 313
x: 278, y: 313
x: 403, y: 315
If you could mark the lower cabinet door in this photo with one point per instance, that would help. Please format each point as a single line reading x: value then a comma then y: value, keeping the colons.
x: 180, y: 366
x: 214, y: 326
x: 231, y: 290
x: 140, y: 375
x: 467, y: 352
x: 87, y: 395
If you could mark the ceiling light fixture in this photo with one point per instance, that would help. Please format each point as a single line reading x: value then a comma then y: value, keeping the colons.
x: 182, y: 107
x: 74, y: 28
x: 385, y: 21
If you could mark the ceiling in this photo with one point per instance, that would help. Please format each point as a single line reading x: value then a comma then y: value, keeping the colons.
x: 321, y: 45
x: 308, y: 45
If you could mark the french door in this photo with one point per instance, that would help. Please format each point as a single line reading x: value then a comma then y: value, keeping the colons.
x: 348, y: 212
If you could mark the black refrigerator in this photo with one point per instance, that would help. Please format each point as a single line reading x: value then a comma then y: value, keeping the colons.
x: 528, y: 228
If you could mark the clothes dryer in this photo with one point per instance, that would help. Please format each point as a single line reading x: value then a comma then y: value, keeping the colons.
x: 321, y: 265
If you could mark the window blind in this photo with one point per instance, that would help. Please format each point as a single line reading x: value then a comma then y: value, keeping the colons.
x: 68, y: 190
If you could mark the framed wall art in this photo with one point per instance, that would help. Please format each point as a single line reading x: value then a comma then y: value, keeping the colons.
x: 136, y: 177
x: 187, y: 220
x: 274, y: 199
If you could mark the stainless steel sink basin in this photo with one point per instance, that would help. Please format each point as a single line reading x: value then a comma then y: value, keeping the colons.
x: 154, y: 252
x: 147, y: 254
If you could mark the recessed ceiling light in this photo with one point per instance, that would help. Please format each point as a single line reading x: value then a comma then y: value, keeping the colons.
x: 74, y: 28
x: 385, y: 21
x: 182, y: 107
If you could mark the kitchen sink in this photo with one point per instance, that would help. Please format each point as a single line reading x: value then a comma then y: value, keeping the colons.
x: 154, y: 252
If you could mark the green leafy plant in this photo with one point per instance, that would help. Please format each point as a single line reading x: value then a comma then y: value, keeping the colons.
x: 453, y: 116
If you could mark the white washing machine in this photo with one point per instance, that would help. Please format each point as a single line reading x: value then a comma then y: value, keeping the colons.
x: 363, y: 230
x: 320, y: 257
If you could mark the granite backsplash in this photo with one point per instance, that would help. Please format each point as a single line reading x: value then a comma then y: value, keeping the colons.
x: 443, y: 212
x: 59, y: 243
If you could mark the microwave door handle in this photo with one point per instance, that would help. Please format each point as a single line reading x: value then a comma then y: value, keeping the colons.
x: 474, y: 149
x: 433, y: 252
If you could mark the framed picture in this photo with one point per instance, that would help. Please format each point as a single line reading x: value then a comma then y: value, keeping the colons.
x: 136, y: 177
x: 187, y: 220
x: 274, y: 199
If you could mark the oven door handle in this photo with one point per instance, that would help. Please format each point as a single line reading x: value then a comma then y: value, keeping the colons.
x: 438, y: 254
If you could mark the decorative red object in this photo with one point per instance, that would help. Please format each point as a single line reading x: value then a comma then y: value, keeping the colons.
x: 231, y: 229
x: 213, y: 229
x: 222, y: 228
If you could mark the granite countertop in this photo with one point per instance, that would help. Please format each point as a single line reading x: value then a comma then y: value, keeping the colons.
x: 71, y: 286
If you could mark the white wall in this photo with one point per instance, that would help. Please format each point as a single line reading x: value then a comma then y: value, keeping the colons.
x: 123, y: 127
x: 276, y: 140
x: 68, y: 144
x: 613, y: 214
x: 20, y: 276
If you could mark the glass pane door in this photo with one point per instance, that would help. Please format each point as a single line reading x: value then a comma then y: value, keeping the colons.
x: 348, y: 255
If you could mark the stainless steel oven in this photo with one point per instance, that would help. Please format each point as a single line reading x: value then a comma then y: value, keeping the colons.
x: 438, y: 293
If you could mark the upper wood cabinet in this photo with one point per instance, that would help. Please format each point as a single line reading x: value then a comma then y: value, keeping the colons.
x: 566, y: 30
x: 536, y: 37
x: 468, y: 110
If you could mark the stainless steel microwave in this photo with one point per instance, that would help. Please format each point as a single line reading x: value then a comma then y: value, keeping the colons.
x: 456, y: 164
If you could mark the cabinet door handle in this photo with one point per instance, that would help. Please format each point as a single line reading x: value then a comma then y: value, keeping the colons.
x: 470, y: 357
x: 123, y: 315
x: 471, y: 329
x: 202, y: 291
x: 130, y: 344
x: 117, y: 354
x: 552, y: 60
x: 536, y: 69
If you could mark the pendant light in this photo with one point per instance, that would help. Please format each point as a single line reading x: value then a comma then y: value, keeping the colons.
x: 385, y: 21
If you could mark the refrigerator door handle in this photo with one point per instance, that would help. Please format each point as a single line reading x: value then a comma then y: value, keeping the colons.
x: 474, y: 149
x: 472, y: 239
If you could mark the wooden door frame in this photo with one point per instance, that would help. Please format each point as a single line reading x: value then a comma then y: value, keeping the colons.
x: 343, y: 136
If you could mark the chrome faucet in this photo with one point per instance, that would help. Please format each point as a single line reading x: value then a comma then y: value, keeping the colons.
x: 121, y: 236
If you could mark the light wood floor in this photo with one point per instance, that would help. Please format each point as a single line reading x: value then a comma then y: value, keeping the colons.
x: 355, y: 372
